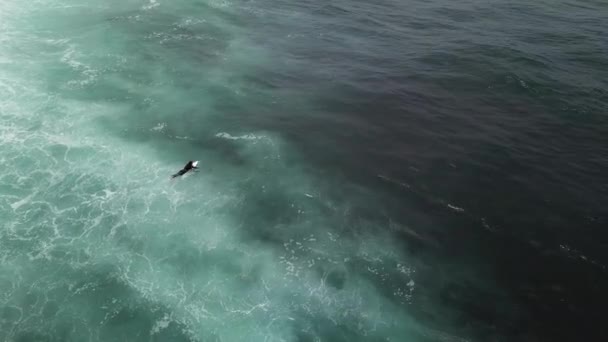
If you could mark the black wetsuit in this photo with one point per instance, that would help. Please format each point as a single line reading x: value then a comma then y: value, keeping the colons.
x: 186, y: 168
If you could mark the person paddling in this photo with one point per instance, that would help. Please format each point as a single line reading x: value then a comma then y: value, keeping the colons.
x: 192, y: 165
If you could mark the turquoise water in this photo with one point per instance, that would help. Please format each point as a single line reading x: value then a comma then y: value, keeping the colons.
x: 101, y: 103
x: 297, y: 227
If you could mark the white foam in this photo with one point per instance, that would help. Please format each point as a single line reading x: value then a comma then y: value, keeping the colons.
x: 241, y: 137
x: 21, y: 202
x: 405, y: 269
x: 161, y: 324
x: 71, y: 57
x: 455, y: 208
x: 402, y: 184
x: 159, y: 127
x: 152, y: 4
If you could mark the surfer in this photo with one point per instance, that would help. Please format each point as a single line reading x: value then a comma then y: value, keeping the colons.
x: 192, y: 165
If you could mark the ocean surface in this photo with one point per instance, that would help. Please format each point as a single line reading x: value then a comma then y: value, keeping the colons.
x: 432, y: 171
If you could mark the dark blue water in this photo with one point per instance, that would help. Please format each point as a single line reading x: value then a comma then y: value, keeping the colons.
x: 373, y: 171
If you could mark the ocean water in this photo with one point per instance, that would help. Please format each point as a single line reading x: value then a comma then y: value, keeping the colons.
x: 370, y: 170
